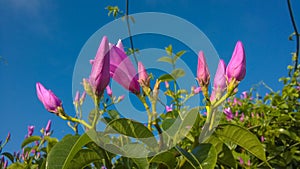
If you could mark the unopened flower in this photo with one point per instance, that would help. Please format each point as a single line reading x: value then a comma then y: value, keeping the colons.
x: 99, y: 76
x: 228, y: 113
x: 144, y: 80
x: 220, y: 79
x: 241, y: 160
x: 237, y: 66
x: 242, y: 117
x: 48, y: 128
x: 167, y: 84
x: 108, y: 91
x: 169, y: 108
x: 244, y: 95
x: 50, y: 101
x: 30, y: 130
x: 203, y: 75
x: 262, y: 138
x: 8, y: 137
x: 197, y: 90
x: 122, y: 69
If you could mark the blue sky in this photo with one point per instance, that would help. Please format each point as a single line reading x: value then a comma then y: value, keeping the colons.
x: 41, y: 41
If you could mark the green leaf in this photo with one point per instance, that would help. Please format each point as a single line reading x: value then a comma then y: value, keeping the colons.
x: 165, y: 59
x: 17, y: 165
x: 243, y: 138
x: 30, y: 140
x: 206, y: 154
x: 64, y: 151
x: 166, y: 77
x: 177, y: 73
x: 133, y: 129
x: 169, y: 50
x: 9, y: 156
x: 51, y: 142
x: 189, y: 157
x: 113, y: 114
x: 225, y: 156
x: 85, y: 157
x: 167, y: 158
x: 179, y: 54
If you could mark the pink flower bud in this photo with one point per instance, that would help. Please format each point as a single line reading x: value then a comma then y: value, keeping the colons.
x: 77, y: 96
x: 220, y: 79
x: 228, y: 113
x: 241, y: 161
x: 7, y: 137
x: 30, y: 130
x: 203, y: 75
x: 48, y: 98
x: 108, y: 91
x: 169, y: 108
x: 167, y: 84
x: 144, y: 80
x: 122, y: 69
x: 48, y: 128
x: 237, y: 66
x: 99, y: 76
x: 242, y: 117
x: 82, y: 98
x: 197, y: 90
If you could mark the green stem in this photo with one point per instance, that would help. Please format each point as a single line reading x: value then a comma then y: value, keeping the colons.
x: 76, y: 121
x: 143, y: 100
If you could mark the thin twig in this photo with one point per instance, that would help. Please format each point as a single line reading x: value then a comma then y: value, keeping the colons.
x: 129, y: 31
x: 296, y: 33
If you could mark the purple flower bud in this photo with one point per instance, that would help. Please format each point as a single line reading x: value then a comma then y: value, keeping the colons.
x: 242, y: 117
x: 48, y: 128
x: 5, y: 164
x: 203, y: 75
x: 108, y: 91
x: 77, y: 96
x: 169, y: 108
x: 237, y: 66
x: 144, y: 80
x: 48, y: 98
x: 122, y: 69
x: 228, y: 113
x: 262, y: 139
x: 8, y: 137
x: 99, y: 76
x: 30, y: 130
x: 220, y: 79
x: 167, y: 84
x: 197, y: 90
x: 241, y: 160
x: 82, y: 98
x: 244, y: 95
x: 249, y: 163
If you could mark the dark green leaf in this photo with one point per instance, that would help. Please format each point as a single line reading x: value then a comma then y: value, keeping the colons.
x: 133, y: 129
x: 85, y: 157
x: 206, y: 154
x: 64, y: 151
x: 167, y: 158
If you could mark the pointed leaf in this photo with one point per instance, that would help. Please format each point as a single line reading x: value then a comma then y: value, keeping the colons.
x: 179, y: 54
x: 169, y: 50
x: 177, y: 73
x: 206, y: 154
x: 167, y: 158
x: 64, y: 151
x: 85, y: 157
x: 30, y: 140
x: 193, y: 161
x: 133, y: 129
x: 243, y: 138
x: 166, y: 77
x: 165, y: 59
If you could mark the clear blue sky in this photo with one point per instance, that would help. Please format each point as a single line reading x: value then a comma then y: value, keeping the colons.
x: 41, y: 40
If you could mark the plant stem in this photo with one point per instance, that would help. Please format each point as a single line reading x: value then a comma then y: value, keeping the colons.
x: 143, y: 100
x: 129, y: 31
x: 296, y: 33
